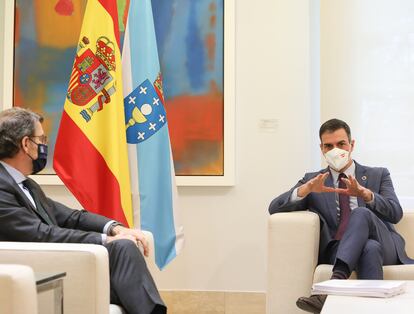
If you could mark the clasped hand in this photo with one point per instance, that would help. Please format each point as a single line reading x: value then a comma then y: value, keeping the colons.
x: 135, y: 235
x: 317, y: 185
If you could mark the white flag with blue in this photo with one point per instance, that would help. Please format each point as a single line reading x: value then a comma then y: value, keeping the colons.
x: 147, y: 135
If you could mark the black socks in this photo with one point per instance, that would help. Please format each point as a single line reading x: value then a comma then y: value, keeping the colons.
x: 340, y: 270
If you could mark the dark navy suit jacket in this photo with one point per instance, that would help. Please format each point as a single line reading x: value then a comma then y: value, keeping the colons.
x: 20, y: 221
x: 386, y: 205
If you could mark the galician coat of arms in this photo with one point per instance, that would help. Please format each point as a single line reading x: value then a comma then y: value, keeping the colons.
x: 91, y: 77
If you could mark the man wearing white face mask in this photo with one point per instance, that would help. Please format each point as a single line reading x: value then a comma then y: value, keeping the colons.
x: 357, y: 207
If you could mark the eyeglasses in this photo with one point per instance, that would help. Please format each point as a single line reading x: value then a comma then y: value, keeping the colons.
x: 42, y: 138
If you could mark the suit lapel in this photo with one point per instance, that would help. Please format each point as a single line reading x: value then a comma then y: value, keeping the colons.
x: 361, y: 177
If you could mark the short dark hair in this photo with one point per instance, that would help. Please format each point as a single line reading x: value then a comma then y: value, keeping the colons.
x: 333, y: 125
x: 15, y: 124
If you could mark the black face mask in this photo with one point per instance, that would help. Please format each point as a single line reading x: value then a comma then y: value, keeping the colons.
x: 40, y: 163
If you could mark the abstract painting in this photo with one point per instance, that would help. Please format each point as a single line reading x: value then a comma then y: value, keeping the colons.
x: 190, y: 42
x: 190, y: 38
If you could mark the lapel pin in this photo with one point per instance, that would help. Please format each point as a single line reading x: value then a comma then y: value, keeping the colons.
x: 364, y: 178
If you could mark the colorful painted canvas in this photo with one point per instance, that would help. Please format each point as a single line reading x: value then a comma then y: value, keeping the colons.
x: 190, y: 43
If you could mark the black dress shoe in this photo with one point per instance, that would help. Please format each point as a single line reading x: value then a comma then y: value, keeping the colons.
x: 312, y: 304
x: 159, y: 309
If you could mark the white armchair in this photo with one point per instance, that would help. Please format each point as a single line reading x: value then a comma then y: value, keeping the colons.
x: 17, y: 290
x: 293, y: 244
x: 86, y: 285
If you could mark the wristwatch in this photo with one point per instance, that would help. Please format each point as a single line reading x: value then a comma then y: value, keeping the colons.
x: 111, y: 228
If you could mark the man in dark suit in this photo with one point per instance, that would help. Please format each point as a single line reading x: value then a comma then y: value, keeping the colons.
x: 357, y: 207
x: 26, y: 214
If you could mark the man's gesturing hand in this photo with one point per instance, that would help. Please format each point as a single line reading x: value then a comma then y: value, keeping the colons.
x: 353, y: 188
x: 135, y: 235
x: 315, y: 185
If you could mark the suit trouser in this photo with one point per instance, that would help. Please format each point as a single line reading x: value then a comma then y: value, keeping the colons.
x: 131, y: 283
x: 366, y: 245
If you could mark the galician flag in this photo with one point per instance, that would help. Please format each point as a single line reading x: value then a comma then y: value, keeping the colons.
x: 91, y: 155
x: 153, y: 178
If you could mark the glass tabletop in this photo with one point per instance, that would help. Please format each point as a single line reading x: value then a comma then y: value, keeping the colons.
x: 45, y: 277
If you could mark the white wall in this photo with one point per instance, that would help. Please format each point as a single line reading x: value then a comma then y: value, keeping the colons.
x: 6, y: 35
x: 367, y: 79
x: 226, y: 226
x: 2, y: 10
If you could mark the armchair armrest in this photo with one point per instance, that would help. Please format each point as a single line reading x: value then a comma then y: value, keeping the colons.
x: 86, y: 285
x: 293, y: 244
x: 17, y: 290
x: 405, y: 228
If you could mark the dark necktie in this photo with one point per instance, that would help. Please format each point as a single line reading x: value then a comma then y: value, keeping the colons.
x: 39, y: 207
x: 344, y: 208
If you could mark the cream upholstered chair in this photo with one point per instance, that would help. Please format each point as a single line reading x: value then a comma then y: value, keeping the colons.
x: 86, y: 285
x: 17, y: 290
x: 293, y: 244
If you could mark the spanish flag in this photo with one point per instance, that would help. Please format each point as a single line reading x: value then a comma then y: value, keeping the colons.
x: 91, y: 155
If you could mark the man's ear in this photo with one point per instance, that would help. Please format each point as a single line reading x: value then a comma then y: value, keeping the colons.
x: 352, y: 145
x: 25, y: 144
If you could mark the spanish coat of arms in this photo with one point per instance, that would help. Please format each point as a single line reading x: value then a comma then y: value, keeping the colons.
x: 91, y: 76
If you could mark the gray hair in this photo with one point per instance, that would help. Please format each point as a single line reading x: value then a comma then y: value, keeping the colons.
x: 15, y: 124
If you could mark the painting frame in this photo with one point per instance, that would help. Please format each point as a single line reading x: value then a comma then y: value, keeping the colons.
x: 228, y: 177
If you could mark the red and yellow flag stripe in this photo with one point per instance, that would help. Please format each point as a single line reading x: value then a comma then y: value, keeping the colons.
x: 91, y: 153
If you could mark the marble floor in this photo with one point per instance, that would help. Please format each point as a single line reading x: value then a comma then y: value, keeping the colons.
x: 205, y: 302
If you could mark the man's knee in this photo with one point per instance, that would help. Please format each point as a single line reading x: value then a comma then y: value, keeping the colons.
x: 361, y: 215
x: 362, y: 212
x: 124, y: 247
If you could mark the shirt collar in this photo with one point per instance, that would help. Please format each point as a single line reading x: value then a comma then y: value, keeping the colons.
x: 14, y: 173
x: 349, y: 171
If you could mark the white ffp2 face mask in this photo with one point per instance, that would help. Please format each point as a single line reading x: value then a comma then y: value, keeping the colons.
x: 337, y: 158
